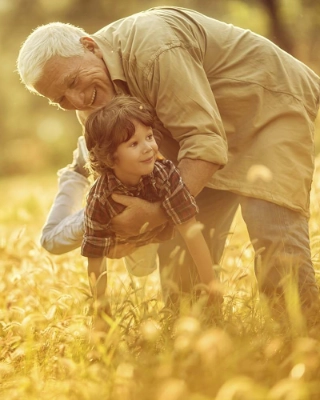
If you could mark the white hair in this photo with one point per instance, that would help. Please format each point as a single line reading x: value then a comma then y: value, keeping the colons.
x: 46, y: 41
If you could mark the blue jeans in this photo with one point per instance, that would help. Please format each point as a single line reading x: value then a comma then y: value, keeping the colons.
x: 280, y: 234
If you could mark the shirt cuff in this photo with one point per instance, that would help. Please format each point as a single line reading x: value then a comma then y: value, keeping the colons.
x: 213, y: 149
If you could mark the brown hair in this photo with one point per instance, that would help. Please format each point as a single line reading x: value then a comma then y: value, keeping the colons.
x: 112, y: 125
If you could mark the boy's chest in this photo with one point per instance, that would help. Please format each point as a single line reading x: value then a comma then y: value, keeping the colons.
x: 149, y: 193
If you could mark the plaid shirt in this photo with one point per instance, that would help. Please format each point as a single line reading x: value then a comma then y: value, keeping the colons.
x: 164, y: 184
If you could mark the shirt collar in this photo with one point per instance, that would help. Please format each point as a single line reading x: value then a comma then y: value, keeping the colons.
x: 113, y: 62
x: 112, y: 184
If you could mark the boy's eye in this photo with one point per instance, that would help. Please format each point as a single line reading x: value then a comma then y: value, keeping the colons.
x: 150, y: 137
x: 133, y: 144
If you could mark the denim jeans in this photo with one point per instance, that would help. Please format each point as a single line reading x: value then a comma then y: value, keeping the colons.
x: 280, y: 237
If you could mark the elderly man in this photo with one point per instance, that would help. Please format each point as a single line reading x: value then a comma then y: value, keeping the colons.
x: 236, y: 114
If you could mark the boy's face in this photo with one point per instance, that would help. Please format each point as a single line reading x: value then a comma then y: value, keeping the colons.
x: 137, y: 156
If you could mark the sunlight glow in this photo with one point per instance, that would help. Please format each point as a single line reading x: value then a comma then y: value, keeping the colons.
x: 50, y: 129
x: 257, y: 172
x: 298, y: 371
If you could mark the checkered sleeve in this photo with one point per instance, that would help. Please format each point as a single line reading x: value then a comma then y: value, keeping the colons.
x: 178, y: 202
x: 98, y: 237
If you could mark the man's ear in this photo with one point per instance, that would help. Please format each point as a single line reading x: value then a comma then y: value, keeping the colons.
x: 88, y: 43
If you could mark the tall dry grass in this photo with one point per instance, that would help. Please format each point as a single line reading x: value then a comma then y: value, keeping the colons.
x: 49, y: 348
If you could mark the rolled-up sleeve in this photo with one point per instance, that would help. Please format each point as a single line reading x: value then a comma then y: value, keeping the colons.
x: 180, y: 206
x: 179, y: 90
x: 97, y: 238
x: 178, y: 203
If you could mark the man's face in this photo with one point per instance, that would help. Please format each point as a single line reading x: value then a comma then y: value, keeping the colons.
x: 77, y: 83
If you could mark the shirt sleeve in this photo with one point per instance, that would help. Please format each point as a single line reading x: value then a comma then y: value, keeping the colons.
x: 98, y: 236
x: 179, y: 90
x: 178, y: 203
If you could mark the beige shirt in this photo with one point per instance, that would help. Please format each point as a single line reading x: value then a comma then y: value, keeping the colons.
x: 222, y: 94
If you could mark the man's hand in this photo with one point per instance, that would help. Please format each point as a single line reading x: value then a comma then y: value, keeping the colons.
x: 138, y: 217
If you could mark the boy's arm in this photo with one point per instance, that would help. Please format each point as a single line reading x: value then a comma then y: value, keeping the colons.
x: 198, y: 248
x: 97, y: 274
x: 120, y: 250
x: 192, y: 235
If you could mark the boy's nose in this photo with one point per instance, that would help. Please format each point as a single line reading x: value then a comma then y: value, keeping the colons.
x: 147, y: 147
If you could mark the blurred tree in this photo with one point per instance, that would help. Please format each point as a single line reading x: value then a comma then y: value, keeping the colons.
x: 278, y: 32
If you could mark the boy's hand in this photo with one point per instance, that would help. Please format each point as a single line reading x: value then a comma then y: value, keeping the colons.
x: 215, y: 293
x: 215, y: 299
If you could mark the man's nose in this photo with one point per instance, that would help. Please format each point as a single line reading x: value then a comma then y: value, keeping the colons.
x: 76, y: 98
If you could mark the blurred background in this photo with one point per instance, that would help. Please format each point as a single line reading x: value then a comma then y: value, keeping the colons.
x: 37, y: 138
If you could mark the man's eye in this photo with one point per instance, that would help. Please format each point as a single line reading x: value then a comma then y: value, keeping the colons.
x: 150, y: 137
x: 73, y: 82
x: 62, y: 102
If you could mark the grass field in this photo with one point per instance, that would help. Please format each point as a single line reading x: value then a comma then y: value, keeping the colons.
x: 49, y: 348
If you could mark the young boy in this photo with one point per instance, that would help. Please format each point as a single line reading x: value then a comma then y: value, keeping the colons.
x: 123, y: 151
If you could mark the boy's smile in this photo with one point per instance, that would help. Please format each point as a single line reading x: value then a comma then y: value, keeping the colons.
x: 137, y: 156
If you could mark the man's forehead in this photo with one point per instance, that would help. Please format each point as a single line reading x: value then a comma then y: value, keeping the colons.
x: 56, y: 73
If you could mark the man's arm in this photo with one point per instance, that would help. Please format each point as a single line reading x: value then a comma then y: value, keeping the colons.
x: 196, y: 173
x: 140, y: 214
